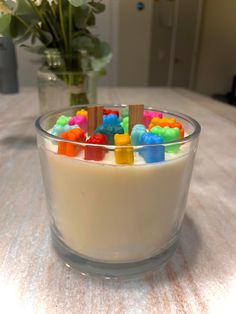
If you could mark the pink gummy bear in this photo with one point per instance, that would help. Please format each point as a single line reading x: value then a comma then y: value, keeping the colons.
x: 148, y: 115
x: 81, y: 121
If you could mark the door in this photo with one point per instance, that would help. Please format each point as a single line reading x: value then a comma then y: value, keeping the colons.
x: 154, y: 42
x: 175, y: 39
x: 134, y: 42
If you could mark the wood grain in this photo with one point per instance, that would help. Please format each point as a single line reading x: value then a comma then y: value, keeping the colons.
x: 135, y: 115
x: 201, y: 276
x: 92, y: 119
x: 99, y: 120
x: 95, y: 118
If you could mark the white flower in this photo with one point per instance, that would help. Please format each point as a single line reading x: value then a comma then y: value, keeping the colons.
x: 51, y: 1
x: 39, y: 2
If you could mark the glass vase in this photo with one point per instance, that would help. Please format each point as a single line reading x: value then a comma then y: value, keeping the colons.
x: 60, y: 85
x: 63, y: 89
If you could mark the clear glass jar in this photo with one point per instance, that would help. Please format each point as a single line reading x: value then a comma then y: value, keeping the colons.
x: 116, y: 220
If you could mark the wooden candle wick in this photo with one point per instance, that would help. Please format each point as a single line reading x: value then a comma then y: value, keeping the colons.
x: 99, y: 119
x: 95, y: 118
x: 135, y: 115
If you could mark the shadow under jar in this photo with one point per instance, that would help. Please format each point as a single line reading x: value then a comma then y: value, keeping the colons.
x: 112, y: 219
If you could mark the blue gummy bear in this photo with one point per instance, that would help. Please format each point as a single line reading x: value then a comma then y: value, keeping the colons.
x: 152, y: 153
x: 136, y: 134
x: 111, y: 119
x: 57, y: 130
x: 109, y: 131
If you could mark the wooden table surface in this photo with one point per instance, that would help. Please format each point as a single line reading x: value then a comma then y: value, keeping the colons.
x: 199, y: 278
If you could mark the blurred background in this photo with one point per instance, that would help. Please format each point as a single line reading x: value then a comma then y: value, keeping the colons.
x: 186, y: 43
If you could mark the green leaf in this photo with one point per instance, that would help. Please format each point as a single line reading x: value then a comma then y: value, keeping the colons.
x: 5, y: 21
x: 83, y: 16
x: 101, y: 55
x: 18, y: 29
x: 98, y: 7
x: 99, y: 64
x: 46, y: 37
x: 25, y: 11
x: 77, y: 3
x: 23, y: 38
x: 83, y: 43
x: 24, y: 8
x: 82, y: 32
x: 91, y: 19
x: 44, y: 6
x: 102, y: 49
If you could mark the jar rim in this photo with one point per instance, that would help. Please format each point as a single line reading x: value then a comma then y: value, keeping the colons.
x: 190, y: 137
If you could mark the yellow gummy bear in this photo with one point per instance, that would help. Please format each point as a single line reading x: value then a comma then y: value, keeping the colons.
x: 123, y: 155
x: 82, y: 112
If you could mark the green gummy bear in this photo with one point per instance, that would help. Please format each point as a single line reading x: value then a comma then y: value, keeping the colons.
x: 125, y: 124
x: 158, y: 131
x: 171, y: 134
x: 168, y: 134
x: 63, y: 120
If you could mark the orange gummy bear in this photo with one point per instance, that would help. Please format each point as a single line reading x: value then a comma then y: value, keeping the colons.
x: 70, y: 149
x: 181, y: 132
x: 163, y: 122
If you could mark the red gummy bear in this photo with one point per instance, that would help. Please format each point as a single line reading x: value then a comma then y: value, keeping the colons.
x: 106, y: 112
x: 95, y: 152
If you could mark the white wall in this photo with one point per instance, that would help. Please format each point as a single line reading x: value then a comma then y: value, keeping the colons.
x: 217, y: 59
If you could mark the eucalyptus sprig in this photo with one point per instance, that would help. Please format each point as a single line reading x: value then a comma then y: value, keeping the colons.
x: 61, y: 24
x: 64, y: 25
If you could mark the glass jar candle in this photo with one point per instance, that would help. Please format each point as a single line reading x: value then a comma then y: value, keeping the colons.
x: 119, y: 215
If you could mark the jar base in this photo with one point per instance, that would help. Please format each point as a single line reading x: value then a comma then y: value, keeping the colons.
x: 112, y: 270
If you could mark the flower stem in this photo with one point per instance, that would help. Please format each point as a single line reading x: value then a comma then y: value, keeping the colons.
x: 22, y: 21
x: 50, y: 24
x: 35, y: 29
x: 53, y: 10
x: 70, y: 25
x: 62, y: 24
x: 37, y: 11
